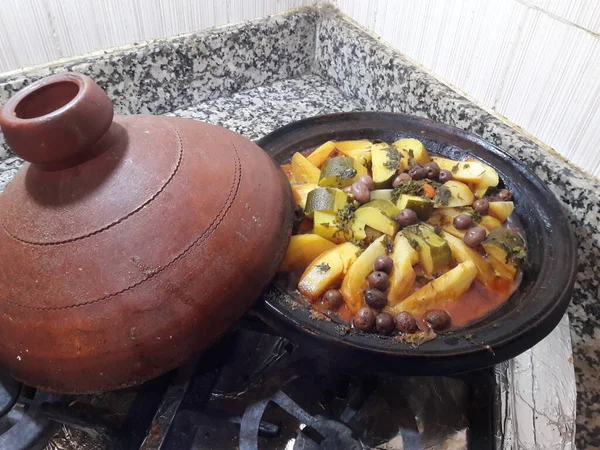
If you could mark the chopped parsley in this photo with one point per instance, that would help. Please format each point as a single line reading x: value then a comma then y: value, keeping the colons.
x: 393, y: 158
x: 411, y: 157
x: 475, y: 216
x: 323, y: 267
x: 413, y: 188
x: 343, y: 220
x: 443, y: 195
x: 388, y: 244
x: 516, y: 255
x: 413, y: 242
x: 407, y: 188
x: 454, y: 168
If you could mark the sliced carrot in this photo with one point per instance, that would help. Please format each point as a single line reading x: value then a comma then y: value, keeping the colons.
x: 429, y: 190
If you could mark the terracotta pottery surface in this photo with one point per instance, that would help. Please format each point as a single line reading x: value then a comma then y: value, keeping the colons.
x: 128, y: 244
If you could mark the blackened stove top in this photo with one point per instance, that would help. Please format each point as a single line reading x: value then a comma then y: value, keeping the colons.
x: 257, y: 391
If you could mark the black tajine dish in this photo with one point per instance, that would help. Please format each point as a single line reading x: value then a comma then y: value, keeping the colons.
x: 524, y: 319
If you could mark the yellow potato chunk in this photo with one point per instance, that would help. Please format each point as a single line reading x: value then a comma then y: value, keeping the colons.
x: 501, y: 210
x: 304, y: 249
x: 303, y: 171
x: 327, y: 270
x: 320, y: 155
x: 402, y: 278
x: 441, y: 291
x: 352, y: 287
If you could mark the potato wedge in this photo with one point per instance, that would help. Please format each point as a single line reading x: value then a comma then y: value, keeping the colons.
x: 320, y: 154
x: 355, y: 279
x: 327, y: 270
x: 327, y: 225
x: 412, y: 151
x: 303, y: 171
x: 347, y: 147
x: 461, y: 252
x: 303, y: 249
x: 501, y: 210
x: 470, y: 171
x: 402, y: 278
x: 441, y: 291
x: 385, y: 161
x: 300, y: 192
x: 488, y: 179
x: 460, y: 195
x: 505, y: 250
x: 359, y: 150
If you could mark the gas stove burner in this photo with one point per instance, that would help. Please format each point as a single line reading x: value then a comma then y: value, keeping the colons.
x: 332, y: 436
x: 332, y: 410
x: 23, y: 426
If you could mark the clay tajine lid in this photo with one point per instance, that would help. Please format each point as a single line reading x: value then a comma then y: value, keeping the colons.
x: 128, y: 244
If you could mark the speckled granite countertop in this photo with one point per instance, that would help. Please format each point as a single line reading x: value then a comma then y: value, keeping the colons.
x: 315, y: 62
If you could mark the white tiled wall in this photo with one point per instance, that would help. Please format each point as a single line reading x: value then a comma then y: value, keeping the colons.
x: 535, y: 62
x: 37, y: 31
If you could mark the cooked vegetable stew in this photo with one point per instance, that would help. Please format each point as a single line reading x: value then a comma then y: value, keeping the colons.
x: 393, y: 240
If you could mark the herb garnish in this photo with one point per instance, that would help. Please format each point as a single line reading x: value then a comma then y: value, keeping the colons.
x: 344, y: 218
x: 388, y: 244
x: 323, y: 267
x: 411, y: 157
x: 413, y: 188
x: 393, y: 158
x: 475, y: 216
x: 413, y: 242
x: 454, y: 168
x: 407, y: 188
x: 443, y: 195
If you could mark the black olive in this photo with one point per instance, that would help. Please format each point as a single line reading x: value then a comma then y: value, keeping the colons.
x: 417, y: 172
x: 433, y: 170
x: 504, y: 195
x: 438, y: 319
x: 407, y: 217
x: 482, y: 206
x: 406, y: 323
x: 384, y: 323
x: 379, y: 280
x: 383, y: 264
x: 463, y: 222
x: 403, y: 177
x: 445, y: 175
x: 475, y: 236
x: 333, y: 299
x: 375, y: 299
x: 364, y: 320
x: 360, y: 192
x: 367, y: 181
